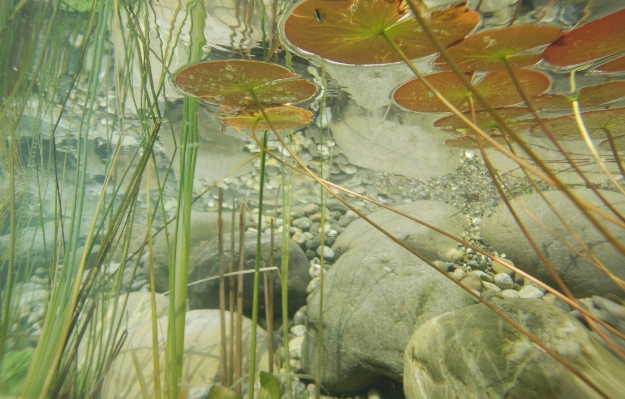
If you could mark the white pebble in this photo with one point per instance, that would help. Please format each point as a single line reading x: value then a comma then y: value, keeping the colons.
x: 504, y: 281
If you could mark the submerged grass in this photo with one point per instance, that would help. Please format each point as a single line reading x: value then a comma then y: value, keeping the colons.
x: 81, y: 292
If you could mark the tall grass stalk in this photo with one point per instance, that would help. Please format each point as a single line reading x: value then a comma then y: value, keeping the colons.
x: 255, y: 295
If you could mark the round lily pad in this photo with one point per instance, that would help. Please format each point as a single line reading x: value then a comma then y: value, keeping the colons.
x: 356, y: 31
x: 282, y: 117
x: 487, y: 123
x: 497, y: 88
x: 616, y: 65
x: 596, y: 122
x: 596, y: 39
x: 232, y: 82
x: 589, y: 96
x: 488, y: 49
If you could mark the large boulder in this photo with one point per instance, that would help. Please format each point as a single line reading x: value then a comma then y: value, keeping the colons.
x: 375, y: 296
x: 202, y: 343
x: 474, y: 353
x: 429, y: 243
x: 401, y: 143
x: 206, y: 264
x: 501, y: 231
x: 203, y: 230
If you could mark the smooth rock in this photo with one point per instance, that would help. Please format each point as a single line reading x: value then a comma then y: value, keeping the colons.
x: 509, y: 294
x: 432, y: 245
x: 530, y: 292
x: 205, y: 295
x: 499, y: 267
x: 374, y: 295
x: 202, y: 343
x: 491, y: 287
x: 472, y: 282
x: 458, y: 274
x: 473, y: 353
x: 328, y: 253
x: 502, y: 233
x: 503, y: 281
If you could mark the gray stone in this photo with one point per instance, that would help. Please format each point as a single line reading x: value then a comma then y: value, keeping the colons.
x: 205, y: 295
x: 201, y: 349
x: 374, y: 295
x: 530, y: 292
x: 502, y: 233
x: 458, y: 274
x: 509, y: 294
x: 403, y: 143
x: 491, y: 287
x: 473, y: 353
x: 504, y: 281
x: 302, y: 223
x: 203, y: 230
x: 328, y: 253
x: 431, y: 244
x: 498, y: 267
x: 472, y: 282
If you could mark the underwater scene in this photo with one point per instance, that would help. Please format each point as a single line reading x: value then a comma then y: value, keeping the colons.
x: 360, y: 199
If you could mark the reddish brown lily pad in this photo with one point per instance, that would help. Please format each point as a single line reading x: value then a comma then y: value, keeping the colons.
x: 616, y: 65
x: 356, y: 31
x: 596, y: 39
x: 589, y: 96
x: 470, y: 142
x: 489, y: 50
x: 497, y: 88
x: 596, y: 122
x: 283, y: 117
x: 487, y: 123
x: 232, y: 82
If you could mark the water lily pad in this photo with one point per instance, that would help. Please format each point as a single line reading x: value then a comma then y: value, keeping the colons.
x: 589, y: 96
x: 231, y: 83
x: 596, y: 39
x: 283, y: 117
x: 354, y: 31
x: 565, y: 127
x: 487, y: 123
x: 468, y: 142
x: 616, y: 65
x: 487, y: 50
x: 497, y: 88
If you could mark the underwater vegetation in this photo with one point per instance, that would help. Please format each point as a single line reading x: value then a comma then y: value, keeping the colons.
x: 108, y: 127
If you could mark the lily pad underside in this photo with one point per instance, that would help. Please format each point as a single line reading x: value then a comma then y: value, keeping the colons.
x: 596, y: 39
x: 358, y: 31
x: 497, y: 88
x: 233, y: 83
x: 486, y: 122
x: 589, y: 96
x: 283, y: 117
x: 596, y: 122
x: 616, y: 65
x: 491, y: 49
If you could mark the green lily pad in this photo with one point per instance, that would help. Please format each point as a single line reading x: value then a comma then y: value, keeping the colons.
x: 356, y: 31
x: 589, y: 96
x: 565, y: 127
x: 596, y: 39
x: 487, y: 50
x: 487, y: 123
x: 282, y: 117
x: 497, y: 88
x: 470, y: 143
x: 616, y: 65
x: 232, y: 82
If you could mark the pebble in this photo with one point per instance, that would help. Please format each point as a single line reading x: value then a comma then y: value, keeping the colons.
x: 295, y: 347
x: 490, y: 294
x: 458, y: 274
x: 509, y: 294
x: 499, y: 268
x: 300, y: 316
x: 491, y: 287
x: 303, y: 223
x: 504, y: 281
x: 373, y: 393
x: 298, y: 330
x: 298, y: 237
x: 311, y: 208
x: 530, y: 292
x: 472, y: 282
x: 328, y: 253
